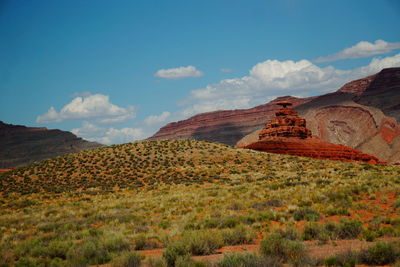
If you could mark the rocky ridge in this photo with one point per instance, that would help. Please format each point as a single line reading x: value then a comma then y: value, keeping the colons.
x: 224, y: 126
x: 20, y: 145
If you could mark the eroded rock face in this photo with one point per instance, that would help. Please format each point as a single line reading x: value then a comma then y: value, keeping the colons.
x: 312, y: 148
x: 359, y: 115
x: 225, y: 126
x: 286, y: 123
x: 357, y: 87
x: 383, y: 93
x: 287, y: 134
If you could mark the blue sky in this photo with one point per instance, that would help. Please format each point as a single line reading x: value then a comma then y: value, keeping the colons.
x: 116, y: 71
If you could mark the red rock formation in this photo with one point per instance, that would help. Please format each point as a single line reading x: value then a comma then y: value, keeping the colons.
x: 287, y: 134
x: 286, y: 124
x: 312, y: 148
x: 225, y: 126
x: 357, y: 87
x: 358, y: 115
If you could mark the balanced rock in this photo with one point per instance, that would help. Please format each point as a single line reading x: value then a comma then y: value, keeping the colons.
x: 287, y: 134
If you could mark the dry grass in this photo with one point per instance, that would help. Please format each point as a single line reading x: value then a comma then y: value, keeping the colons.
x: 110, y: 200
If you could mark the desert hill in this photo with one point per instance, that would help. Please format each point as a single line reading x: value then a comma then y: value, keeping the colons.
x: 21, y: 145
x: 357, y: 115
x: 141, y: 164
x: 183, y: 198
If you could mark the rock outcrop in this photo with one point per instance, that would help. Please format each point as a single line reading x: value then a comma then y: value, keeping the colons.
x: 357, y: 87
x: 285, y: 124
x: 20, y: 145
x: 361, y: 114
x: 224, y: 126
x: 287, y: 134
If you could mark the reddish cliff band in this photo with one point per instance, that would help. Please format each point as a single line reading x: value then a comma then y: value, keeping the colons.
x: 287, y: 134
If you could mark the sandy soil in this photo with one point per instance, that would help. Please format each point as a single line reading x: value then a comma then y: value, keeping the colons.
x: 315, y: 249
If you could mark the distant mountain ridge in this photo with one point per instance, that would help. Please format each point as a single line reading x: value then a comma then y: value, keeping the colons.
x: 362, y: 114
x: 224, y: 126
x: 20, y: 145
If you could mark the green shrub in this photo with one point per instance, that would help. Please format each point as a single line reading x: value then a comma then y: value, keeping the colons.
x: 369, y: 235
x: 274, y: 245
x: 186, y: 261
x: 248, y: 260
x: 127, y: 259
x: 312, y: 231
x: 331, y: 211
x: 345, y: 259
x: 396, y: 203
x: 289, y: 233
x: 173, y: 251
x: 238, y: 235
x: 202, y: 242
x: 307, y: 214
x: 157, y: 262
x: 88, y: 252
x: 268, y: 204
x: 348, y: 229
x: 115, y: 243
x: 142, y: 242
x: 26, y: 262
x: 386, y: 231
x: 381, y: 253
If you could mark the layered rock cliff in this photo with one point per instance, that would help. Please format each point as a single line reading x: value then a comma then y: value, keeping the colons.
x: 224, y: 126
x: 287, y: 133
x: 361, y: 114
x: 21, y: 145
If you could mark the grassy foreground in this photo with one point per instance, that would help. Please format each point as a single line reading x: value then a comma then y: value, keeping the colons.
x: 192, y: 197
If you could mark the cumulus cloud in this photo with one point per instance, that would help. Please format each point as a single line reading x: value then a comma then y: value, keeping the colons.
x: 96, y: 107
x: 362, y: 49
x: 179, y: 73
x: 272, y: 78
x: 156, y: 119
x: 108, y: 136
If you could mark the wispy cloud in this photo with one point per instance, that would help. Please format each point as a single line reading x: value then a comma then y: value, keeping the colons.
x: 156, y: 119
x: 96, y: 107
x: 179, y: 73
x: 362, y: 49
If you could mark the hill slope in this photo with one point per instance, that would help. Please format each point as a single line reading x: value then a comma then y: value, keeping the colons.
x: 214, y: 194
x: 21, y: 145
x: 147, y: 164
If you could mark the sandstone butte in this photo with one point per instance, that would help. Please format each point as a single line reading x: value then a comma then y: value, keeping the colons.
x: 287, y: 134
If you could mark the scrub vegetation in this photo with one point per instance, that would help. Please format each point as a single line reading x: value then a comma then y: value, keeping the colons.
x: 106, y: 205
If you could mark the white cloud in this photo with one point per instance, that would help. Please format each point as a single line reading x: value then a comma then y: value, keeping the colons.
x: 272, y: 78
x: 155, y: 119
x: 362, y: 49
x: 179, y: 73
x: 108, y: 136
x: 96, y: 107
